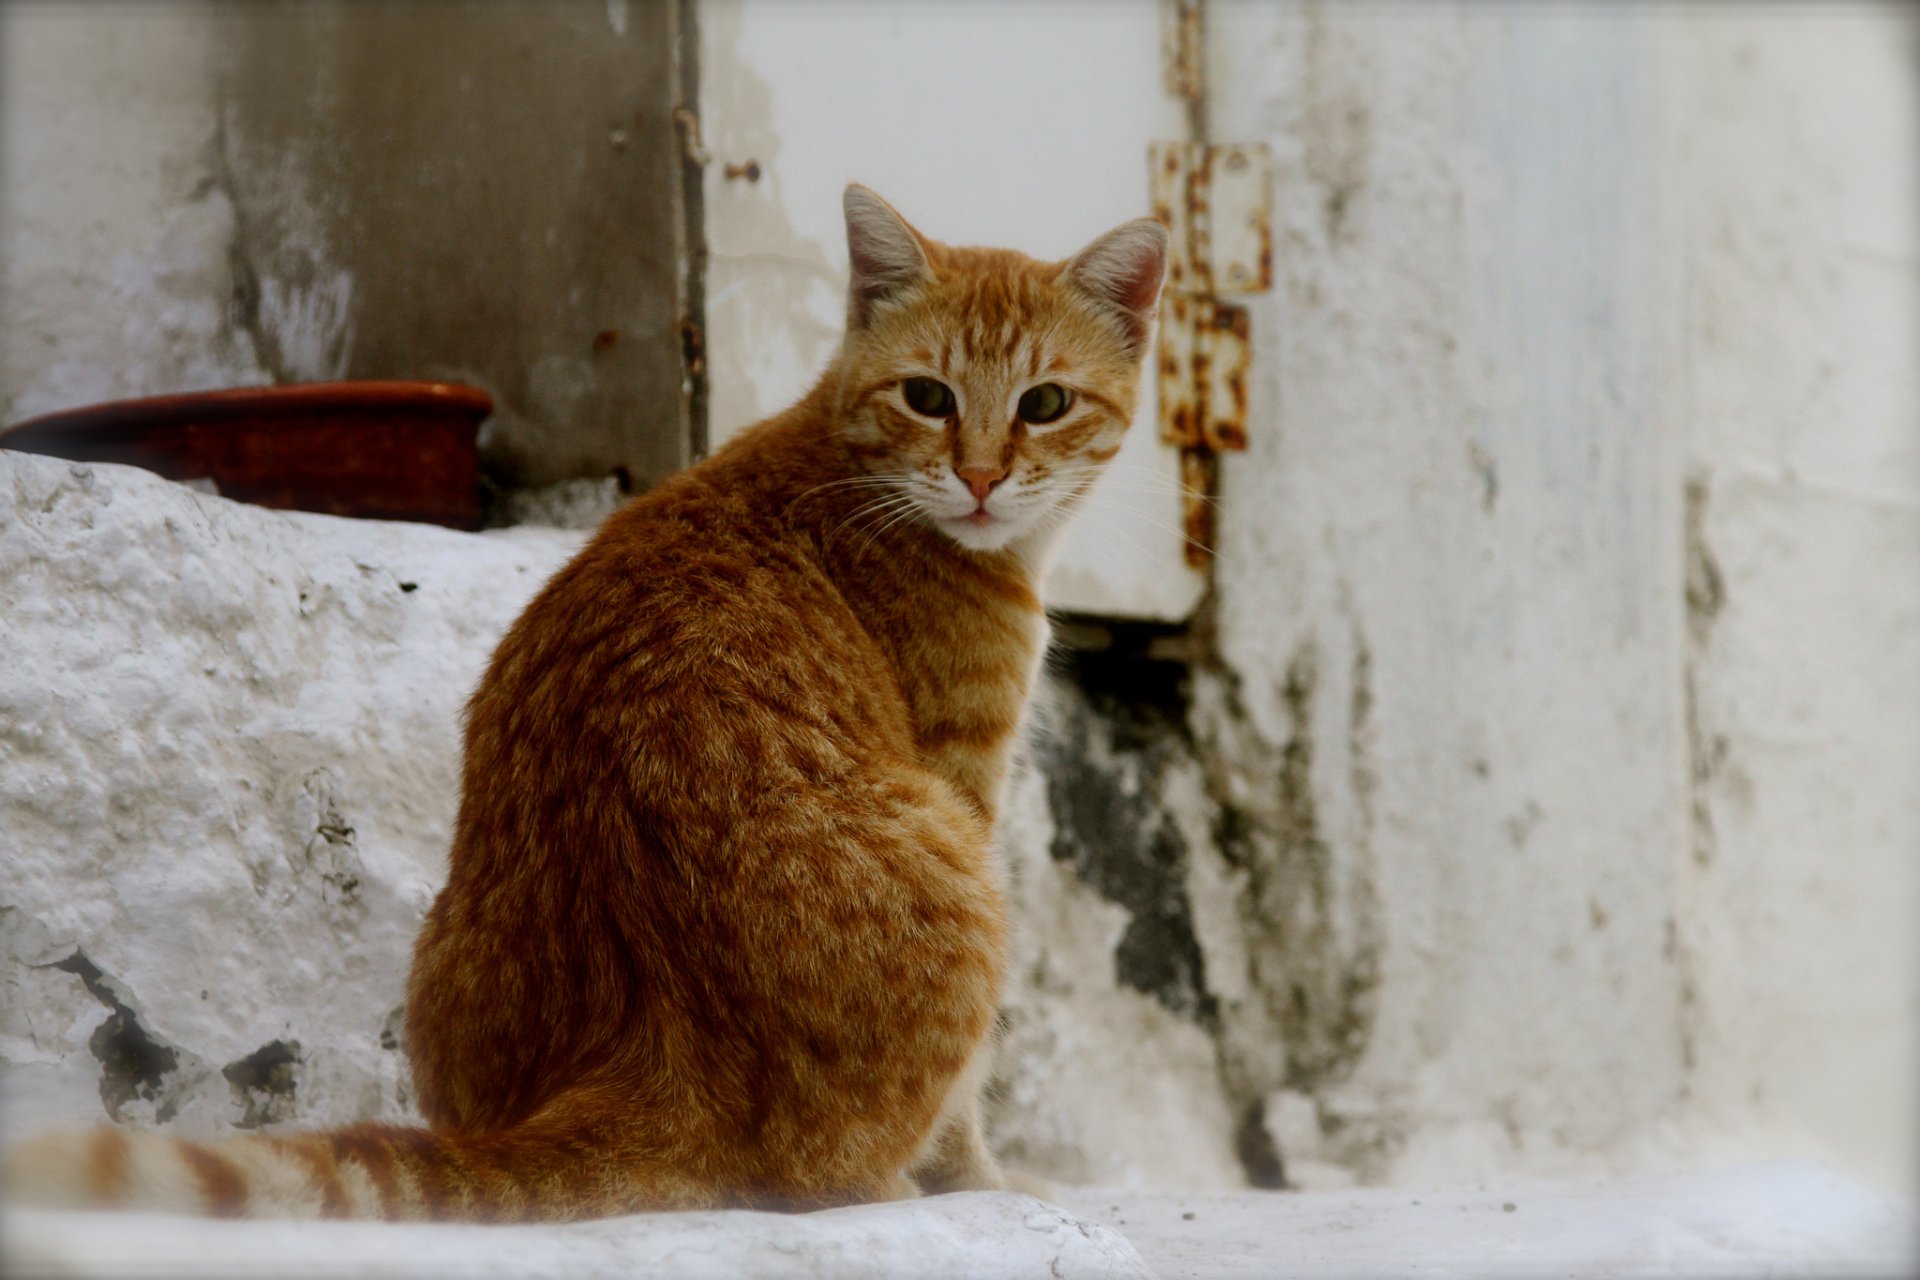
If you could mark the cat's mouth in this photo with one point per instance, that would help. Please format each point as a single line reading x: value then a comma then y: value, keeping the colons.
x: 979, y: 529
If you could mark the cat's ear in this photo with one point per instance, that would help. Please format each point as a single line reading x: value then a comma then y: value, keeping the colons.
x: 1122, y: 272
x: 886, y: 254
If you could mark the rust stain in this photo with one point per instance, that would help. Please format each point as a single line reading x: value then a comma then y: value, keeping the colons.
x: 1240, y: 250
x: 750, y: 171
x: 1199, y: 473
x: 1183, y: 48
x: 1205, y: 345
x: 1200, y: 218
x: 1167, y: 170
x: 1229, y: 335
x: 693, y: 347
x: 1180, y: 405
x: 690, y: 144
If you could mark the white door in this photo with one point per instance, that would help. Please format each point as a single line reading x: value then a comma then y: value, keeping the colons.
x: 984, y: 123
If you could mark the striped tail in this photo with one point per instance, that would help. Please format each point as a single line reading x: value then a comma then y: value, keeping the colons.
x: 369, y: 1171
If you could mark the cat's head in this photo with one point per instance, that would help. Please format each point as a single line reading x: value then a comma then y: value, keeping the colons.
x: 989, y: 389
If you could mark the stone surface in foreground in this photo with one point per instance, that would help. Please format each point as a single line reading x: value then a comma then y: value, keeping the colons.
x: 972, y: 1234
x: 1779, y: 1218
x: 1770, y: 1219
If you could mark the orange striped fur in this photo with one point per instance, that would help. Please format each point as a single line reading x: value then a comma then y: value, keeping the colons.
x: 723, y: 924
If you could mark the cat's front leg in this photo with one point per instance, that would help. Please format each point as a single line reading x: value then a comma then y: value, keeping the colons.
x: 956, y: 1158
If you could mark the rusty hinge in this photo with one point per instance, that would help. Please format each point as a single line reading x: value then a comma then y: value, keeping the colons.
x: 1214, y: 199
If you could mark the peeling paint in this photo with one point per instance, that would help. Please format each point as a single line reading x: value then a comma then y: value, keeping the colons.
x: 1488, y: 469
x: 1103, y: 767
x: 265, y: 1084
x: 1336, y: 127
x: 1259, y: 1151
x: 134, y: 1065
x: 1308, y: 909
x: 1706, y: 595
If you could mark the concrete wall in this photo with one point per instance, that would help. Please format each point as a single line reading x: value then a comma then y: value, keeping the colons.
x: 1449, y: 590
x: 1578, y: 544
x: 203, y: 194
x: 117, y: 265
x: 1801, y: 410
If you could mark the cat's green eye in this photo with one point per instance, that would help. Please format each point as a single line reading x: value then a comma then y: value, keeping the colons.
x: 926, y: 396
x: 1044, y: 403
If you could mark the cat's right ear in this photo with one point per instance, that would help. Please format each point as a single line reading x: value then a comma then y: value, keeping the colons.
x: 886, y: 254
x: 1123, y: 271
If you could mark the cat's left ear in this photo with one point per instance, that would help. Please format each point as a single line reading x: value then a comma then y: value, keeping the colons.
x: 885, y: 254
x: 1122, y: 271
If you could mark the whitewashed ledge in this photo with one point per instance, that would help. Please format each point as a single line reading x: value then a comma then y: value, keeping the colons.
x: 1779, y: 1219
x: 973, y: 1234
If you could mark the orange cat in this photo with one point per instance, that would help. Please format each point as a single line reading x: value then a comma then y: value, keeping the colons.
x: 723, y: 924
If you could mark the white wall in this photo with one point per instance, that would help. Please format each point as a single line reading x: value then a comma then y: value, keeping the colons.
x: 1541, y: 267
x: 1801, y: 406
x: 115, y: 236
x: 1457, y: 534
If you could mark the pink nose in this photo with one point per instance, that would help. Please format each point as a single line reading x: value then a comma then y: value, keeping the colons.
x: 981, y: 479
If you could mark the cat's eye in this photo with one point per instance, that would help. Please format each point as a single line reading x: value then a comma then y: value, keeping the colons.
x: 1044, y: 403
x: 927, y: 396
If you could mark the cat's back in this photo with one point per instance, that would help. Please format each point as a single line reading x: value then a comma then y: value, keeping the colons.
x: 698, y: 615
x: 688, y: 734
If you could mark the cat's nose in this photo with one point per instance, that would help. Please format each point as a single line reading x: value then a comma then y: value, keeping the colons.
x: 981, y: 479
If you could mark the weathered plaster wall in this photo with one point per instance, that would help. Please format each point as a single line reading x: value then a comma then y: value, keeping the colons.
x: 1801, y: 181
x: 115, y: 239
x: 1573, y: 568
x: 204, y: 193
x: 228, y: 765
x: 1449, y: 715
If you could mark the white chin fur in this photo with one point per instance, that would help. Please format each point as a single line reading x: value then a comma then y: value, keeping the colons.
x: 983, y: 537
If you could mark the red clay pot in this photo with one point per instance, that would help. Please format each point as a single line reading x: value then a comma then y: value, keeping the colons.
x: 382, y: 450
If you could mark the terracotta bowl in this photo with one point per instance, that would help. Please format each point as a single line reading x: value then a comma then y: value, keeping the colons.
x: 383, y: 450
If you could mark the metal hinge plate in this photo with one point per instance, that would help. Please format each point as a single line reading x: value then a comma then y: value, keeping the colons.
x: 1214, y: 200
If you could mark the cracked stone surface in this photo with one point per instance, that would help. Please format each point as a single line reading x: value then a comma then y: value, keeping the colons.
x: 230, y: 739
x: 970, y: 1234
x: 1780, y: 1218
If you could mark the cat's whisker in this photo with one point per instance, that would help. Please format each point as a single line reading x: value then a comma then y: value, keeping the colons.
x: 889, y: 480
x: 1129, y: 486
x: 1143, y: 482
x: 883, y: 517
x: 1105, y: 521
x: 863, y: 509
x: 909, y: 512
x: 860, y: 513
x: 879, y: 517
x: 875, y: 510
